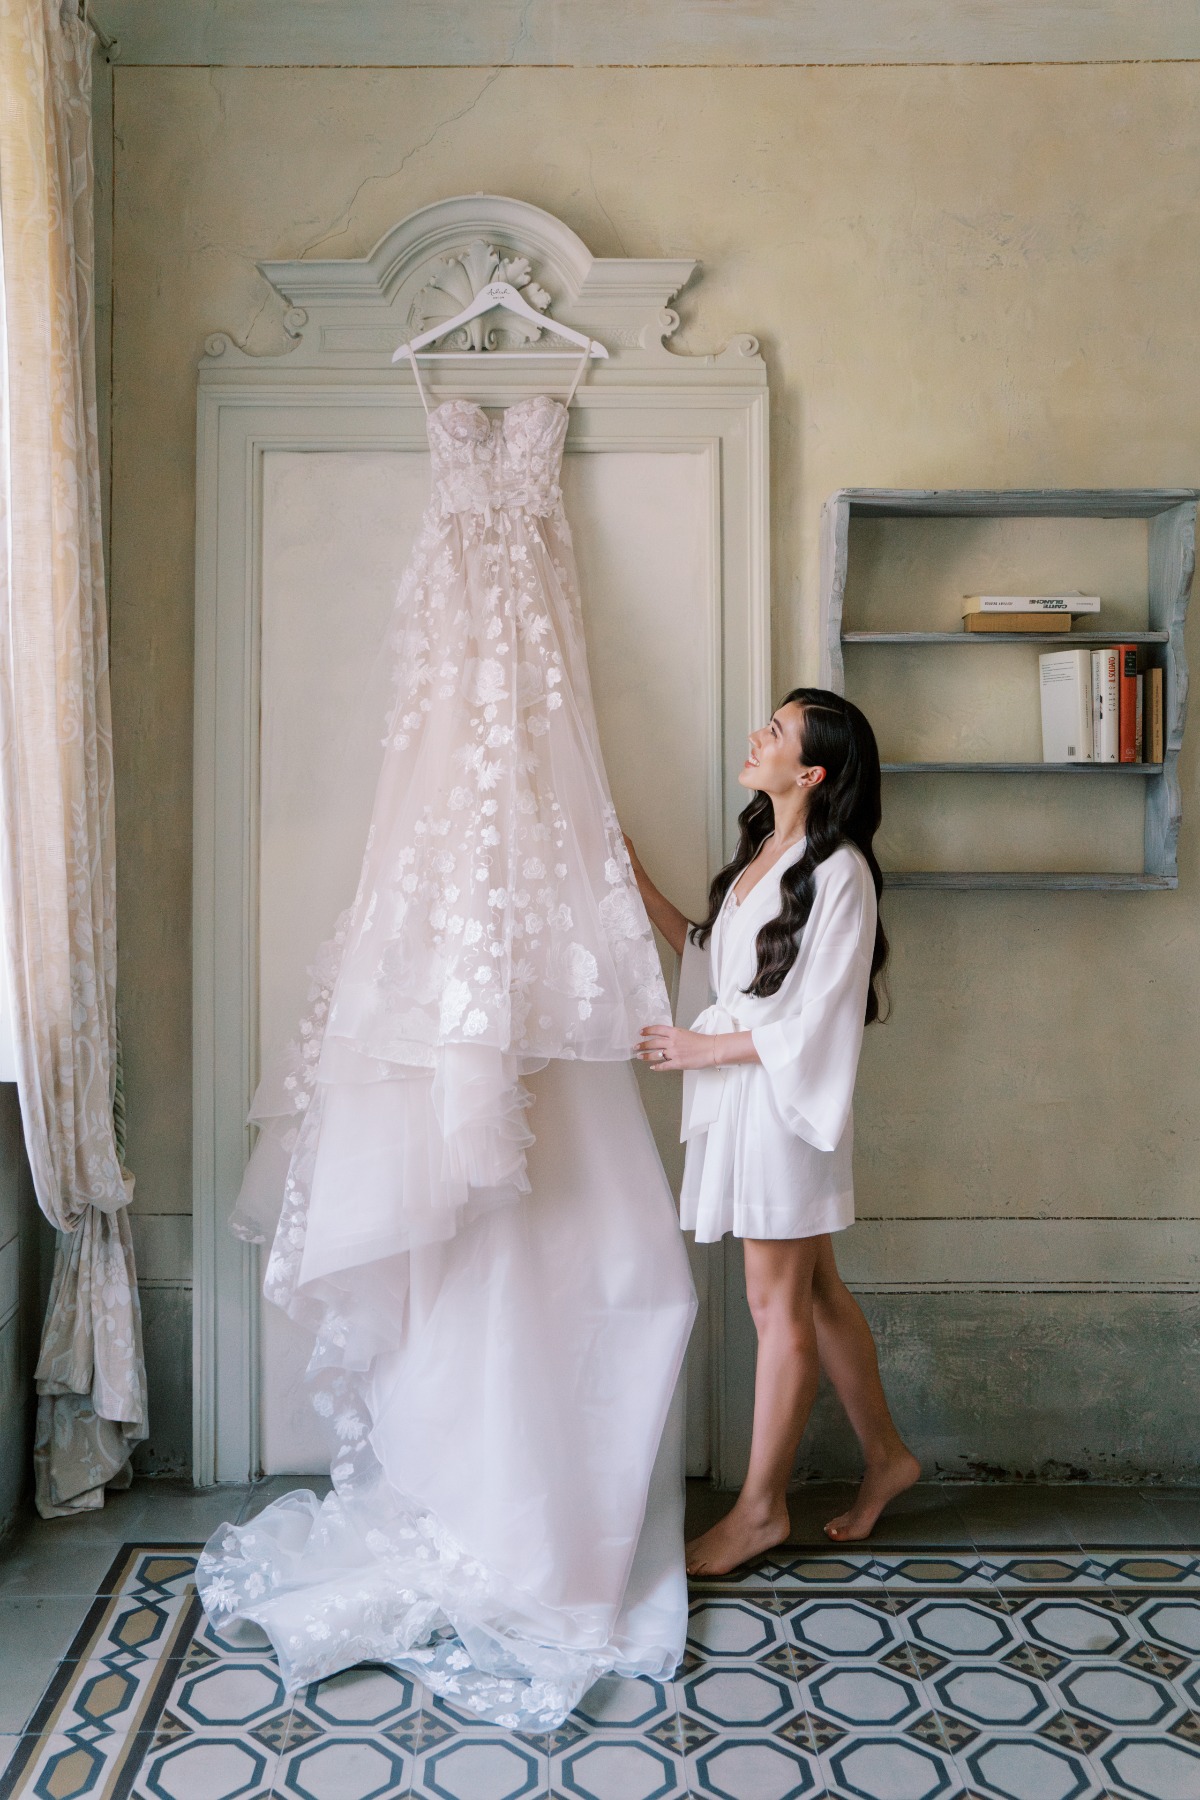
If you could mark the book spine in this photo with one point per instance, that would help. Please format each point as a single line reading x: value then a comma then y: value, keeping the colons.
x: 1058, y: 603
x: 1066, y: 711
x: 1126, y: 703
x: 1110, y: 698
x: 1083, y: 706
x: 1139, y: 723
x: 1154, y: 715
x: 1040, y: 623
x: 1097, y: 700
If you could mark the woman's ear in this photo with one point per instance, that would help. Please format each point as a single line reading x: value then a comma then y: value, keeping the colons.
x: 811, y: 777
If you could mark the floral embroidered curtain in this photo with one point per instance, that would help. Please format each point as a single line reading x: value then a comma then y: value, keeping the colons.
x: 56, y: 773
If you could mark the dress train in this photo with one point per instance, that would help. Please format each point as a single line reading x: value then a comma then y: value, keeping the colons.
x: 507, y: 1513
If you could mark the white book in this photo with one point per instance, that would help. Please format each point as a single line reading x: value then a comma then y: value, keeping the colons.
x: 1056, y: 603
x: 1106, y: 740
x: 1066, y: 684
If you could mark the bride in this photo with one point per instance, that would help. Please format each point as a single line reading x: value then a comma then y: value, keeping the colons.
x: 462, y: 1195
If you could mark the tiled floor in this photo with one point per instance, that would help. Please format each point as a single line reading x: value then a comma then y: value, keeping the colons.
x: 1021, y: 1644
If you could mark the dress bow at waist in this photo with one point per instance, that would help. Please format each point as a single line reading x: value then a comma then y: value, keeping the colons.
x: 703, y: 1088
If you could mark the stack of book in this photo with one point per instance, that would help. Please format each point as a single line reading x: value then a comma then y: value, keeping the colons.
x: 1025, y: 612
x: 1097, y: 706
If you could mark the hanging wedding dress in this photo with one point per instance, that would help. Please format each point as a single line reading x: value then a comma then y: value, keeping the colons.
x: 474, y: 1221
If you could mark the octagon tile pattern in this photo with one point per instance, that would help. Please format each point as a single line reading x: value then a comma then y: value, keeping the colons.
x: 918, y: 1674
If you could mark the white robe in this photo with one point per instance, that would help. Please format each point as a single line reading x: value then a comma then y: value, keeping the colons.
x: 770, y: 1144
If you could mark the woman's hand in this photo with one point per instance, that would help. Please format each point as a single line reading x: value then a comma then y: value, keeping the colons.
x: 667, y: 1047
x: 646, y: 887
x: 668, y: 918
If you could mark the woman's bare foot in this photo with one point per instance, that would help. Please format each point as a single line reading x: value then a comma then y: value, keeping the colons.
x: 735, y: 1539
x: 881, y: 1483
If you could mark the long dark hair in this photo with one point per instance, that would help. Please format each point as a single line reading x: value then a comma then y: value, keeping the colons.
x: 845, y: 808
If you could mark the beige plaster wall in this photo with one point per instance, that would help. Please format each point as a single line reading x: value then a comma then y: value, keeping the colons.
x: 960, y: 277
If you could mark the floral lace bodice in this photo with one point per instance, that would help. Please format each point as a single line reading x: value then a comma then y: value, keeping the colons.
x: 513, y: 462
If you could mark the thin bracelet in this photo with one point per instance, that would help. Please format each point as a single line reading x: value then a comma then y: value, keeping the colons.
x: 713, y: 1063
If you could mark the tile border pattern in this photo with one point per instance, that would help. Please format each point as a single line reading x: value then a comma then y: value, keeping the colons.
x: 952, y: 1674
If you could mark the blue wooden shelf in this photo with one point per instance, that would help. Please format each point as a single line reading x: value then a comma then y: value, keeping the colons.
x: 1145, y: 770
x: 1038, y: 638
x: 1170, y: 515
x: 1103, y: 881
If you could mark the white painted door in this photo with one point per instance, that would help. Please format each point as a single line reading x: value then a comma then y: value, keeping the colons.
x: 336, y: 528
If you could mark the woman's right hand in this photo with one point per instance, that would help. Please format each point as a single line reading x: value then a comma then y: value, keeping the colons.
x: 669, y: 920
x: 645, y: 885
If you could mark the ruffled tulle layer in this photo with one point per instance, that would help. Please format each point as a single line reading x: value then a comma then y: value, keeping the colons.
x: 377, y: 1579
x: 506, y: 1518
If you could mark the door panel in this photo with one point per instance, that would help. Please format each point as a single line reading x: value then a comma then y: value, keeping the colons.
x: 336, y: 529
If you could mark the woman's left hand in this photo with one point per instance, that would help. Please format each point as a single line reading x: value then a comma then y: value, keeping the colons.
x: 667, y: 1047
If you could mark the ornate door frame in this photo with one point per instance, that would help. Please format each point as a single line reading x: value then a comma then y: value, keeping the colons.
x: 335, y: 388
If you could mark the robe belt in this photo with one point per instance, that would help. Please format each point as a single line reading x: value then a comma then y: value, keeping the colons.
x: 703, y: 1089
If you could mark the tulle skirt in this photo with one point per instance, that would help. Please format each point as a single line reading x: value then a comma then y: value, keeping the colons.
x: 506, y: 1518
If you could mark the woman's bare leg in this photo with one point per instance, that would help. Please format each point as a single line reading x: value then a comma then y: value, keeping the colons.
x: 847, y: 1352
x: 779, y: 1288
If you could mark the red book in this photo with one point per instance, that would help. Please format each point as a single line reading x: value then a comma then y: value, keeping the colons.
x: 1127, y: 745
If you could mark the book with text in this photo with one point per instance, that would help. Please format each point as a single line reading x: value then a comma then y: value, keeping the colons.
x: 1105, y: 704
x: 1128, y: 745
x: 1066, y: 693
x: 1016, y: 603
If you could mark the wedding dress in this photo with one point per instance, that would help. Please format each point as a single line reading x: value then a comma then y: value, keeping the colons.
x: 471, y: 1214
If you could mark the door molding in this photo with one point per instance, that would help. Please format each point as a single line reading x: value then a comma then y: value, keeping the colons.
x: 335, y: 388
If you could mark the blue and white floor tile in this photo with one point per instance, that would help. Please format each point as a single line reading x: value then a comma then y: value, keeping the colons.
x: 898, y: 1673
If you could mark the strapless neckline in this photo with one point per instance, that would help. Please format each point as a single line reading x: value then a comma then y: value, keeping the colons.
x: 504, y: 413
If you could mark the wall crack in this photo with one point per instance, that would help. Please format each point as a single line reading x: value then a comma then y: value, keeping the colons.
x: 341, y: 225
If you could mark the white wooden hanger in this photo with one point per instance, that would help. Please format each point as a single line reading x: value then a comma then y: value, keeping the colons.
x: 510, y: 299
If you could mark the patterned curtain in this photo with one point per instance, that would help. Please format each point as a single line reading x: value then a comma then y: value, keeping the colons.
x: 56, y: 776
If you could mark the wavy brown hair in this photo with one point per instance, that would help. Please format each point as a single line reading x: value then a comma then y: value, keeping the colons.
x: 845, y: 808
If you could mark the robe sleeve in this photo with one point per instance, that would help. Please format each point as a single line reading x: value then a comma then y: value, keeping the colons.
x: 811, y: 1052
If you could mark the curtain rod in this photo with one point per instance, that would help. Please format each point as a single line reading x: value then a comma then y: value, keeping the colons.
x: 107, y: 44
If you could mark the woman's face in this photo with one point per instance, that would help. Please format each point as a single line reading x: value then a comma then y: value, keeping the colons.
x: 775, y: 765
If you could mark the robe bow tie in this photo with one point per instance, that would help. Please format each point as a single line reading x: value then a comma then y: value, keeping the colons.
x: 703, y: 1088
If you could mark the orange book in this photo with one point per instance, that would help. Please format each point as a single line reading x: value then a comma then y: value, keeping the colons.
x: 1127, y: 744
x: 1059, y: 623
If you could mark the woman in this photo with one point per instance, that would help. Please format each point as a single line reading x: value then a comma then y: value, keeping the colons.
x: 796, y: 954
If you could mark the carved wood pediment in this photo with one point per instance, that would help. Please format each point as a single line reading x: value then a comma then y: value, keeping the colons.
x: 352, y: 313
